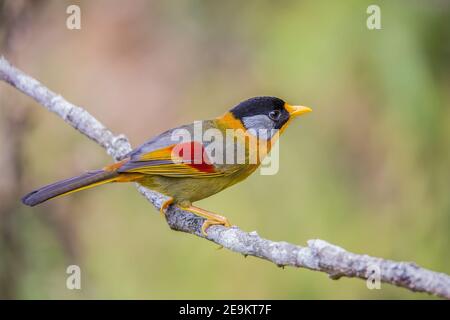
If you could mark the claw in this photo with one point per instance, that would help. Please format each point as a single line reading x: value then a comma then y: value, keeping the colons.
x: 165, y: 205
x: 209, y: 222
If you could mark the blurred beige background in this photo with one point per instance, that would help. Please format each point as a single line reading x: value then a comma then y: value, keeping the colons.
x: 367, y: 170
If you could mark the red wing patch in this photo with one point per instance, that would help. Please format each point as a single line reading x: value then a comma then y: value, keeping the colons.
x: 193, y: 154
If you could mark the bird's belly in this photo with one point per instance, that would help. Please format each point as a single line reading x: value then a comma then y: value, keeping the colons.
x: 182, y: 189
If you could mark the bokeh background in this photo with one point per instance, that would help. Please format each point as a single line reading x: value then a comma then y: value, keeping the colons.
x: 367, y: 170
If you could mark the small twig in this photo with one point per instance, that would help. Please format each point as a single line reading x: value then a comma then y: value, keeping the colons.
x: 318, y: 255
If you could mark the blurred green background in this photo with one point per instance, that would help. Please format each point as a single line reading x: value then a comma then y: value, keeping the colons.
x: 367, y: 170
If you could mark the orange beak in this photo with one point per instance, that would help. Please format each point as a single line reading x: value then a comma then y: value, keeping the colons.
x: 295, y: 111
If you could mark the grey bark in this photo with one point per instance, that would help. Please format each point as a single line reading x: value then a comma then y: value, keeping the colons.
x: 318, y: 255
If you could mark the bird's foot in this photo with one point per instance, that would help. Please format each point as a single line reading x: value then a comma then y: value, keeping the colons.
x: 211, y: 218
x: 223, y: 221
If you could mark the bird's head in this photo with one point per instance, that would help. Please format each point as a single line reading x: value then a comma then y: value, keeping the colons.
x: 266, y: 113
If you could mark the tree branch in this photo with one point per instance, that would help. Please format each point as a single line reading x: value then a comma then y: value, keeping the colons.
x: 318, y: 255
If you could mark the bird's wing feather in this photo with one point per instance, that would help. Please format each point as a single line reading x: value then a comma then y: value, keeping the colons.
x: 163, y: 156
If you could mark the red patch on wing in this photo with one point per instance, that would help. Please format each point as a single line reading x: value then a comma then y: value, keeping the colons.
x: 193, y: 154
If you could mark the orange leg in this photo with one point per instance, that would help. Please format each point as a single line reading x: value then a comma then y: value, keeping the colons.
x: 165, y: 205
x: 211, y: 218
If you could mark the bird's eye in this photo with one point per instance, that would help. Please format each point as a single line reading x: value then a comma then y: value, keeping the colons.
x: 274, y: 114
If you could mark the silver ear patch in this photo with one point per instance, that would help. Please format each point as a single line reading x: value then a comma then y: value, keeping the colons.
x: 259, y: 125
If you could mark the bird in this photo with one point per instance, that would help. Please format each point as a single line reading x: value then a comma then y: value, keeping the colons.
x: 183, y: 171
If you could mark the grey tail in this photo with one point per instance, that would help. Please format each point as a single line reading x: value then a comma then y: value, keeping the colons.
x: 84, y: 181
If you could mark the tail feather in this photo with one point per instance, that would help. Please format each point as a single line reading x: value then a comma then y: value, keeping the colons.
x: 84, y: 181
